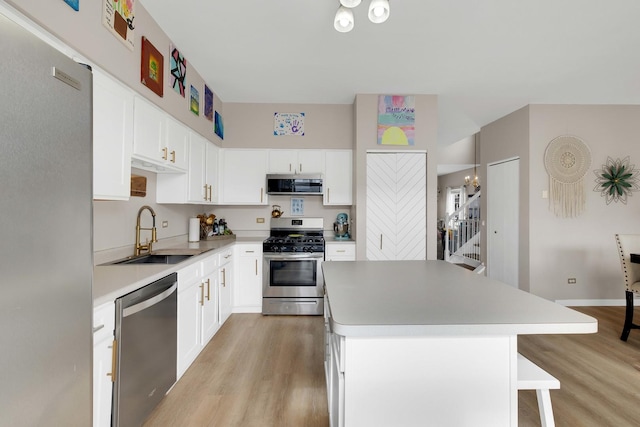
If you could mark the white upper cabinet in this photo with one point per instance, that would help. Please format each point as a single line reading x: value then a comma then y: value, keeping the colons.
x: 243, y: 176
x: 112, y: 138
x: 159, y: 141
x: 296, y: 161
x: 337, y: 182
x: 200, y: 184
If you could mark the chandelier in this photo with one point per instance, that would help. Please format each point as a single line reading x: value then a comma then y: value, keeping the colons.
x: 344, y: 22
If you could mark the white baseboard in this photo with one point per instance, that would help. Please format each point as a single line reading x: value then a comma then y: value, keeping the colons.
x: 591, y: 302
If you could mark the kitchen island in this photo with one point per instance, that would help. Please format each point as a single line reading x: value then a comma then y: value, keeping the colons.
x: 421, y: 343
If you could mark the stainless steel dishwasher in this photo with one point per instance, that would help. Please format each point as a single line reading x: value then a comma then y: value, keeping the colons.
x: 146, y: 337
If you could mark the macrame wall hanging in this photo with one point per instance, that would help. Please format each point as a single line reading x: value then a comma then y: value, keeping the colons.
x: 567, y: 160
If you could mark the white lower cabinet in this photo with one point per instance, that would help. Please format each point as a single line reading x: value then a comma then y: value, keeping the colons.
x: 103, y: 327
x: 248, y: 280
x: 340, y: 251
x: 197, y: 310
x: 225, y: 286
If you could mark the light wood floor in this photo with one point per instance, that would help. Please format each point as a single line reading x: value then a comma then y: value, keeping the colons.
x: 268, y: 371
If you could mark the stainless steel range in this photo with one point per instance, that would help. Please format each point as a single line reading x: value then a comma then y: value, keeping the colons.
x: 292, y: 278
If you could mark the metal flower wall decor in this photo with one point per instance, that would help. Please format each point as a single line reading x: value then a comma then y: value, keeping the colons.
x: 616, y: 180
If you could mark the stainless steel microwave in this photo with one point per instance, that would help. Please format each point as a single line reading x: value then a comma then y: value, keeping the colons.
x: 300, y: 184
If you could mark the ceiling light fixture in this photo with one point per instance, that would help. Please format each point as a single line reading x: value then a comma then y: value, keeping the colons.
x: 344, y: 21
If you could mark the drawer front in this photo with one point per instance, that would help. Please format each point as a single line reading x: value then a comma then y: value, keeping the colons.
x: 340, y: 250
x: 188, y: 275
x: 210, y: 264
x: 104, y: 321
x: 249, y: 250
x: 225, y: 256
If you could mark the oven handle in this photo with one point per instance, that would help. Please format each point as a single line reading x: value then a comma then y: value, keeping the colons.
x: 288, y: 257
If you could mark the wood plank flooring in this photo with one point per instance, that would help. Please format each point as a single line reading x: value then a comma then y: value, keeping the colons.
x: 268, y: 371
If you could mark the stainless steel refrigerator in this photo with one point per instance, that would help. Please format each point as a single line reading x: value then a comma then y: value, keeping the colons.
x: 45, y: 234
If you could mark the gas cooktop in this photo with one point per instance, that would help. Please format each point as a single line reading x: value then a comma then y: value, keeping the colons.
x: 295, y: 235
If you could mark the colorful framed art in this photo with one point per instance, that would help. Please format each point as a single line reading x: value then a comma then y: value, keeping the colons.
x: 178, y: 70
x: 73, y: 4
x: 288, y: 124
x: 208, y: 103
x: 218, y: 126
x: 396, y: 120
x: 118, y: 16
x: 194, y: 102
x: 152, y: 67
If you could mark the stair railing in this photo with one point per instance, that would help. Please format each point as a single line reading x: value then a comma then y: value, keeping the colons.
x: 462, y: 233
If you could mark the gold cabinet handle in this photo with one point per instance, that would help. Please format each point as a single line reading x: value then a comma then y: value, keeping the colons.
x: 328, y: 195
x: 173, y: 156
x: 202, y: 294
x: 208, y: 289
x: 165, y: 153
x: 261, y: 193
x: 300, y: 167
x: 210, y: 193
x: 340, y: 250
x: 224, y: 277
x: 206, y: 188
x: 256, y: 267
x: 381, y: 242
x: 114, y: 361
x: 289, y: 167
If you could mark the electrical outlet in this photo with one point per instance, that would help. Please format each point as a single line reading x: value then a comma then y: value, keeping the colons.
x: 571, y: 280
x: 165, y: 224
x: 260, y: 220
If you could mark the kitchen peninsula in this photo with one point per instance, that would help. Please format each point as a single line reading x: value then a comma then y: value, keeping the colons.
x: 427, y: 343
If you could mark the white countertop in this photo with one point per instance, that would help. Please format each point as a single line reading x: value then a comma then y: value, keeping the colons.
x: 113, y: 281
x: 417, y: 298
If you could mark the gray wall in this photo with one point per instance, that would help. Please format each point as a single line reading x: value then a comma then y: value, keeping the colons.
x: 554, y: 249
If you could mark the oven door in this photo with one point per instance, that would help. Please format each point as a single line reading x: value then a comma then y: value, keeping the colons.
x: 292, y: 275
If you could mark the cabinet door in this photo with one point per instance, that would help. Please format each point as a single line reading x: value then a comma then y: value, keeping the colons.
x: 310, y: 161
x: 248, y: 280
x: 283, y: 161
x: 211, y: 172
x: 209, y: 308
x: 338, y: 177
x: 225, y: 287
x: 189, y: 313
x: 244, y: 177
x: 148, y: 132
x: 198, y: 190
x: 177, y: 144
x: 112, y: 138
x: 102, y: 385
x: 396, y: 206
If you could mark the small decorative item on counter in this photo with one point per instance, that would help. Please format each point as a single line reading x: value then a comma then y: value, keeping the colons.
x: 221, y: 226
x: 206, y: 225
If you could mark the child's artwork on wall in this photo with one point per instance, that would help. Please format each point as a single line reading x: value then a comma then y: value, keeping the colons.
x: 288, y: 124
x: 218, y: 126
x: 74, y: 4
x: 194, y: 103
x: 208, y: 103
x: 152, y: 67
x: 117, y: 16
x: 396, y: 120
x: 178, y: 70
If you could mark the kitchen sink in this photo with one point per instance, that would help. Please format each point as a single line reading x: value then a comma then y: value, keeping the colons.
x: 153, y: 259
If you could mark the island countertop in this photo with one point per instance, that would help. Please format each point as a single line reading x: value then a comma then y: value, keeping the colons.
x: 417, y: 298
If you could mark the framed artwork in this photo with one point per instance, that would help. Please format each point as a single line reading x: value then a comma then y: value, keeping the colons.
x: 152, y: 67
x: 297, y: 206
x: 74, y: 4
x: 288, y: 124
x: 178, y: 70
x: 218, y: 126
x: 616, y: 180
x: 208, y: 103
x: 396, y: 120
x: 194, y: 103
x: 117, y: 16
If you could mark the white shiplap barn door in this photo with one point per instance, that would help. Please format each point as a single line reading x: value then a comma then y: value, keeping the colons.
x: 396, y: 206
